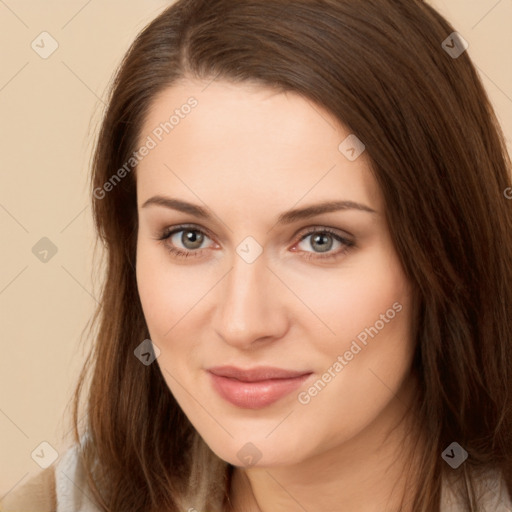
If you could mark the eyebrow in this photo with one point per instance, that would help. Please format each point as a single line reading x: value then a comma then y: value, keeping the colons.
x: 288, y: 217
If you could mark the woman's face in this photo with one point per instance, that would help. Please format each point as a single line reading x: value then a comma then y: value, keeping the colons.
x: 267, y: 275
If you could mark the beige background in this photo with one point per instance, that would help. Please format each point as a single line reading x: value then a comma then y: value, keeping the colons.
x: 50, y: 110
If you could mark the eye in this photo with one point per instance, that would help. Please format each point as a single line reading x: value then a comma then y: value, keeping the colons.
x: 190, y: 238
x: 322, y: 241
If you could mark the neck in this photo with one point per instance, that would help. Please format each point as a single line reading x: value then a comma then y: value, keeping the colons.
x: 367, y: 473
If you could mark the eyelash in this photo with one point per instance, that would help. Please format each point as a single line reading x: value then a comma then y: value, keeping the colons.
x: 180, y: 253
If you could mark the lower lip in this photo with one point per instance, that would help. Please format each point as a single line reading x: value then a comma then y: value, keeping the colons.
x: 255, y: 395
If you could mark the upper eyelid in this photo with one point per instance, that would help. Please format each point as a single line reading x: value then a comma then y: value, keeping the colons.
x: 167, y: 232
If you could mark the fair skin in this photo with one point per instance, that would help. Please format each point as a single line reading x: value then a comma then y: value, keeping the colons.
x: 246, y: 154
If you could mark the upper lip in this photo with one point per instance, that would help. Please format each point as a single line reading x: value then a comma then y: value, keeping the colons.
x: 256, y: 374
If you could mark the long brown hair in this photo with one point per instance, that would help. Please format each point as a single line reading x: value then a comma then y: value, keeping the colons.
x: 439, y: 157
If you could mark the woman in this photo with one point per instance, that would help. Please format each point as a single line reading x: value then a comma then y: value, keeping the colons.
x: 309, y: 257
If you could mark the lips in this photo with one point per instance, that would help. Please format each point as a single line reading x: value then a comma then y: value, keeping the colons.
x: 255, y: 388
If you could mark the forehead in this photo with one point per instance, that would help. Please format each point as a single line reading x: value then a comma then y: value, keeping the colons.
x: 247, y: 139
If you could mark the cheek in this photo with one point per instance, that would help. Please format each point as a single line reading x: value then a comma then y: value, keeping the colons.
x: 376, y: 353
x: 349, y: 300
x: 167, y: 292
x: 151, y: 286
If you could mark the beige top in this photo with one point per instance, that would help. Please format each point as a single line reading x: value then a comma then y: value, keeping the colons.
x: 70, y: 494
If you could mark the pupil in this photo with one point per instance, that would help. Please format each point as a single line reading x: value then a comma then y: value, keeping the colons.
x: 323, y: 246
x: 192, y: 237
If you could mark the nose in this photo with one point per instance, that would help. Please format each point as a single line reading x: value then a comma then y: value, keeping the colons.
x: 251, y: 310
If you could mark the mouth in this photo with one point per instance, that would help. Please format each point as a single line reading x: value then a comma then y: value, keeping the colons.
x: 255, y: 388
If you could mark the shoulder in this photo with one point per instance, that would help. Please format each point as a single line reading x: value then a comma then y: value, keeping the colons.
x: 60, y: 488
x: 35, y: 495
x: 71, y: 488
x: 491, y: 489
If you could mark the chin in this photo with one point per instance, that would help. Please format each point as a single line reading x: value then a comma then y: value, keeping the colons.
x: 256, y: 453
